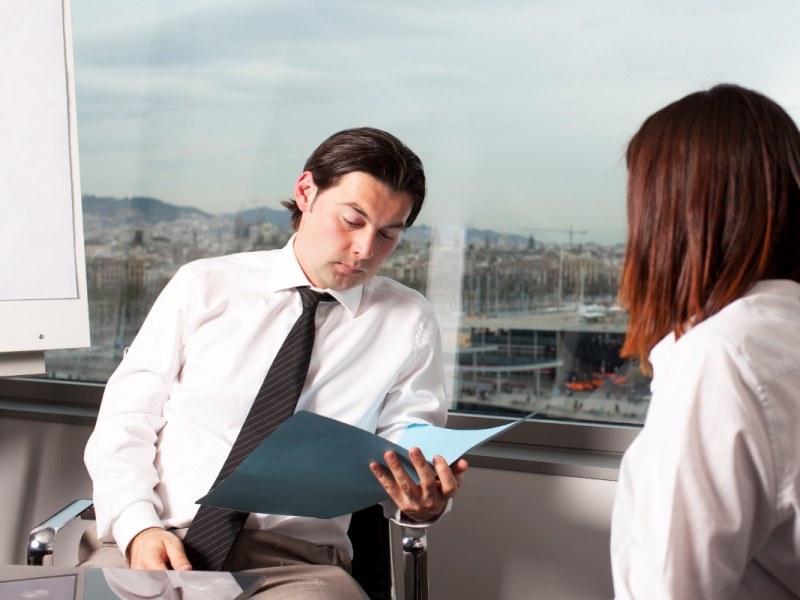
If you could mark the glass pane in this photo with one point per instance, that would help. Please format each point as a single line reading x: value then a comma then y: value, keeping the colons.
x: 195, y: 119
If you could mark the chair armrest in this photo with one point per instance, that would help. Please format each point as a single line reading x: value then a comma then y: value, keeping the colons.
x: 415, y: 563
x: 41, y: 543
x: 42, y: 538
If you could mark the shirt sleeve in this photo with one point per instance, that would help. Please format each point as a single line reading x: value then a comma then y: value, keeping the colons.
x: 418, y: 395
x: 121, y: 451
x: 697, y: 486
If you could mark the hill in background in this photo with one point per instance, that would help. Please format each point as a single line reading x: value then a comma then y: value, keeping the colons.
x: 149, y: 210
x: 140, y: 209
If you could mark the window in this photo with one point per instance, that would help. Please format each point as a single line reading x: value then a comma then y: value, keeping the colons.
x: 195, y: 118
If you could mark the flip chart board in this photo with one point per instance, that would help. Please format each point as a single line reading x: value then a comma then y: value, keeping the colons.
x: 43, y: 302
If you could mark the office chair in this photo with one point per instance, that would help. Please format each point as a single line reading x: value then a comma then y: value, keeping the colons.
x: 369, y: 533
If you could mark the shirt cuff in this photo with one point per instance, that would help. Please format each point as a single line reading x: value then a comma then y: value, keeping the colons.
x: 137, y: 517
x: 395, y: 515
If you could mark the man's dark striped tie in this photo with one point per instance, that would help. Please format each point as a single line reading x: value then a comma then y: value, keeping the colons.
x: 214, y: 530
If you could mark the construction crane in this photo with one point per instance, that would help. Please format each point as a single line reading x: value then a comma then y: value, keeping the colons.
x: 570, y: 232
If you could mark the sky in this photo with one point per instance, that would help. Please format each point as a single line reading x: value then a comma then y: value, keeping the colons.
x: 519, y: 110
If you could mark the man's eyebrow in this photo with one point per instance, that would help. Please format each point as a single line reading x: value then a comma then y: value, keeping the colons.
x: 395, y: 226
x: 363, y: 213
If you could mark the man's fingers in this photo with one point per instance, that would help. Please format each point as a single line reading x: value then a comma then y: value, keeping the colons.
x: 177, y: 556
x: 401, y: 476
x: 157, y: 549
x: 386, y: 480
x: 437, y: 483
x: 448, y: 481
x: 427, y: 476
x: 460, y: 466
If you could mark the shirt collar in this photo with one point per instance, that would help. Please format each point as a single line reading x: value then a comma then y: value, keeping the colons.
x: 287, y: 274
x: 662, y: 349
x: 766, y: 286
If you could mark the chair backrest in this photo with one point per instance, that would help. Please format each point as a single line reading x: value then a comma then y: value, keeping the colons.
x: 372, y: 557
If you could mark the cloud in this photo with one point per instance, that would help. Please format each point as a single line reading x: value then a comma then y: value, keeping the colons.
x: 521, y: 110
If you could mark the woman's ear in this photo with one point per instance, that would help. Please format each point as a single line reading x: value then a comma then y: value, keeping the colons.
x: 305, y: 191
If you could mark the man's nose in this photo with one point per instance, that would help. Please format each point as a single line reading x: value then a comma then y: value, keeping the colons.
x: 363, y: 244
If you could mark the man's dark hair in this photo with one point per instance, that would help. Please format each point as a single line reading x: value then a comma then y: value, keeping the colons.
x: 371, y: 151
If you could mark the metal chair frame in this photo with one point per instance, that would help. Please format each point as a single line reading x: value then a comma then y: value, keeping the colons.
x: 373, y: 570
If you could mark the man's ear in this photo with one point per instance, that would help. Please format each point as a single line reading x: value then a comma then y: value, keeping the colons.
x: 305, y: 191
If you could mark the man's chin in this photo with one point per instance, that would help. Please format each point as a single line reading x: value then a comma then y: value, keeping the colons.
x: 346, y: 282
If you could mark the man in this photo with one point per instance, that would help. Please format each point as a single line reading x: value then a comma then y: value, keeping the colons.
x: 174, y: 407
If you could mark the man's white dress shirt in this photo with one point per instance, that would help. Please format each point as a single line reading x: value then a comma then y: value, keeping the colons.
x: 707, y: 503
x: 174, y: 406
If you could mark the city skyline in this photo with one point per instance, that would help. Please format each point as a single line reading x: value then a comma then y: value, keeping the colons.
x: 281, y: 217
x: 525, y: 325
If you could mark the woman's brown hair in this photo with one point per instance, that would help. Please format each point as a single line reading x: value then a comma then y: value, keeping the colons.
x: 713, y: 204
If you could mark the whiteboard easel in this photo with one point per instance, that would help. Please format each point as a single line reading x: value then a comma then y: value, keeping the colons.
x: 43, y: 302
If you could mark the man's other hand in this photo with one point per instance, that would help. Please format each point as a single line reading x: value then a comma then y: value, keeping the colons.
x: 425, y: 501
x: 157, y: 549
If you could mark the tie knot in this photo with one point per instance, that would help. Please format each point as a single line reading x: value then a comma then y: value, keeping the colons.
x: 311, y: 298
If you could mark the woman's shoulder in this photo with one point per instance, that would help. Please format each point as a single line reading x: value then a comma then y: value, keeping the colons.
x: 762, y: 328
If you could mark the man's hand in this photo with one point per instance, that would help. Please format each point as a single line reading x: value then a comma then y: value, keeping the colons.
x: 157, y: 549
x: 425, y: 501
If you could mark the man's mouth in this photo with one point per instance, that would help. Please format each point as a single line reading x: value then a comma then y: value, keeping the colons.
x: 351, y: 270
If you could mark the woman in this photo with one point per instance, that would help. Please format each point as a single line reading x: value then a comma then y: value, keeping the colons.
x: 707, y: 502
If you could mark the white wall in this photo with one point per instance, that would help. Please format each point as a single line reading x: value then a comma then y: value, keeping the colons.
x: 510, y: 536
x: 42, y: 468
x: 514, y: 536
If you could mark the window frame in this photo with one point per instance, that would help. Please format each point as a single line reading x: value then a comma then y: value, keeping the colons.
x: 553, y: 447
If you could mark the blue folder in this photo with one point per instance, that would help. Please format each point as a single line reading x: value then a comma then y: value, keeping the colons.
x: 314, y: 466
